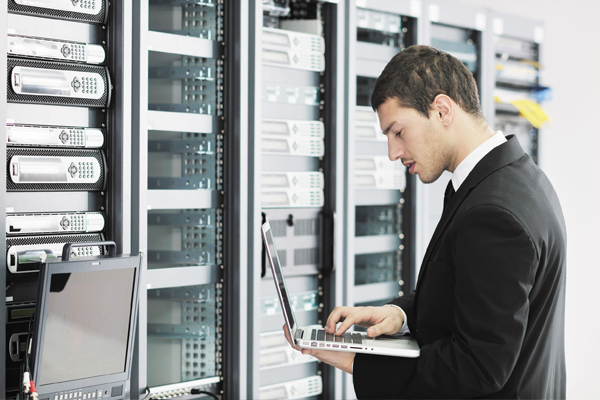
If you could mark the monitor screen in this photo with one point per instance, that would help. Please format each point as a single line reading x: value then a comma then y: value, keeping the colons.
x: 279, y: 281
x: 86, y: 325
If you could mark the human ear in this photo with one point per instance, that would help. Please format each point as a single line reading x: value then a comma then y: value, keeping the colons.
x: 443, y: 108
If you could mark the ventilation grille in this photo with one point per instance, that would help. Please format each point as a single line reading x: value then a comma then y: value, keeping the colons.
x: 306, y: 227
x: 306, y: 256
x: 48, y: 12
x: 279, y: 228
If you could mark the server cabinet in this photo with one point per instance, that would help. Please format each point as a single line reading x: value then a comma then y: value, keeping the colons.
x: 380, y: 193
x: 297, y: 70
x: 178, y: 194
x: 66, y: 111
x: 460, y: 30
x: 517, y: 90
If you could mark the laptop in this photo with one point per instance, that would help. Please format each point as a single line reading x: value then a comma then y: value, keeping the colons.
x: 310, y: 337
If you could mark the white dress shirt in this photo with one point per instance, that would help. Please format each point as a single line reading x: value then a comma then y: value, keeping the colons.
x: 466, y: 166
x: 458, y: 177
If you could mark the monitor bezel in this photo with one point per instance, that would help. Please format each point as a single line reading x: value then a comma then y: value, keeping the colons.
x: 47, y: 270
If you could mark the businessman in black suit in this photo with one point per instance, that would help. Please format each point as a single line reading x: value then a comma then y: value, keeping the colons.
x: 488, y: 310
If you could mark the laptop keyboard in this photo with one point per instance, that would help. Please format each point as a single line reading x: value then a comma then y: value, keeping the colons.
x: 322, y: 336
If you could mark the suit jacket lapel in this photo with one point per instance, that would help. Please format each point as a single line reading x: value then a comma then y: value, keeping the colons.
x: 499, y: 157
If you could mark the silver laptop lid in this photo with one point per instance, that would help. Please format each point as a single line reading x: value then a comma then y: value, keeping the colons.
x: 282, y: 291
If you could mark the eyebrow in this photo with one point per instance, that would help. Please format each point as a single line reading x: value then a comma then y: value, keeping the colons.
x: 387, y: 130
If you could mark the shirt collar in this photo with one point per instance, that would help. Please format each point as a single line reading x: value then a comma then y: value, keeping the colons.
x: 466, y: 166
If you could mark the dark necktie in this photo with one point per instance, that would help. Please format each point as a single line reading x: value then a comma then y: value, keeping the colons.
x: 448, y: 193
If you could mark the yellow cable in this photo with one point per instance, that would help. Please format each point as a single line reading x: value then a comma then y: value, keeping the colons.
x: 532, y: 111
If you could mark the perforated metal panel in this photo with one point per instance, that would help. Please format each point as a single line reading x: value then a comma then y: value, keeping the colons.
x: 378, y: 267
x: 99, y: 18
x: 198, y: 333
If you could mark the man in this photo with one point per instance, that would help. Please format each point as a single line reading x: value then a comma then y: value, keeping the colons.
x: 488, y: 310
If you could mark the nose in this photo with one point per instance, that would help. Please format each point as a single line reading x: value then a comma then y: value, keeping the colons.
x: 395, y: 148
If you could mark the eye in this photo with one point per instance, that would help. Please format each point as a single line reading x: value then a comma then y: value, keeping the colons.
x: 399, y: 133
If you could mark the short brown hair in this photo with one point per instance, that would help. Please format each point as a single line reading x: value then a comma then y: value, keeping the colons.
x: 417, y: 74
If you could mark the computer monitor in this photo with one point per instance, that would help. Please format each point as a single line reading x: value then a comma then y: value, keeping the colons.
x: 84, y: 328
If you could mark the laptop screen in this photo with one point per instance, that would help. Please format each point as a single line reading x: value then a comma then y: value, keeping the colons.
x: 278, y: 276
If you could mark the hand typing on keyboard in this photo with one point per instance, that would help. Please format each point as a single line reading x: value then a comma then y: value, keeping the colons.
x: 379, y: 320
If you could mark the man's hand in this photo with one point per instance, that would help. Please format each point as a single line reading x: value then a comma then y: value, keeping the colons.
x: 379, y: 320
x: 338, y: 359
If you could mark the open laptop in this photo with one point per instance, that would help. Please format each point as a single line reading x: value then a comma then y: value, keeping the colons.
x: 309, y: 338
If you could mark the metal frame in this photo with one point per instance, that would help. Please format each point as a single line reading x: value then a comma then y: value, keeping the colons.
x: 338, y: 78
x: 139, y: 184
x: 253, y: 178
x: 3, y: 102
x: 236, y: 299
x: 120, y: 168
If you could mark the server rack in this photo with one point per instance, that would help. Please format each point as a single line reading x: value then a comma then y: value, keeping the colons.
x: 380, y: 194
x: 516, y: 77
x: 462, y: 31
x: 67, y: 132
x: 178, y: 194
x: 296, y: 67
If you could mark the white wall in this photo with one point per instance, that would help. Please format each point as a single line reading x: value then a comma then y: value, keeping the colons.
x: 570, y: 156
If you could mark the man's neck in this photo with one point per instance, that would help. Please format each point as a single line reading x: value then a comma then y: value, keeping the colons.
x: 468, y: 140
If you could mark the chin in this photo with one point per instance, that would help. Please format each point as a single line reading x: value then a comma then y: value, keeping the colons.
x: 429, y: 178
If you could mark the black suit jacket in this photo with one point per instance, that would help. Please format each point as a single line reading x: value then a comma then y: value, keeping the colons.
x: 488, y: 310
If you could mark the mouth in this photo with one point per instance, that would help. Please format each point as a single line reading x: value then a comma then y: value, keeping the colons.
x: 410, y: 166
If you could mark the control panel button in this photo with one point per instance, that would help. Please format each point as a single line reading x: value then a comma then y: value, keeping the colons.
x: 73, y: 170
x: 75, y: 84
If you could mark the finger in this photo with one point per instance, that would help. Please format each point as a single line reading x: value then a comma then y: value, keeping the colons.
x: 285, y: 332
x: 374, y: 331
x: 338, y: 314
x: 333, y: 319
x: 318, y: 354
x: 344, y: 326
x: 383, y: 328
x: 287, y: 337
